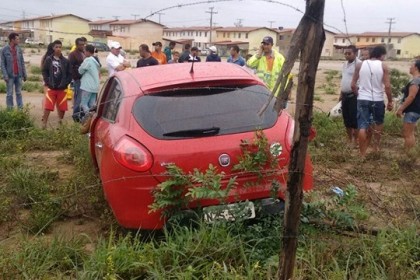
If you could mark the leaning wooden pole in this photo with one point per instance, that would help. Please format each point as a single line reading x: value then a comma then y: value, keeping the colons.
x: 313, y: 37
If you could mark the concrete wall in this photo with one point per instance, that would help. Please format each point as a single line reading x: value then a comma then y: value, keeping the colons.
x: 65, y: 29
x: 136, y: 34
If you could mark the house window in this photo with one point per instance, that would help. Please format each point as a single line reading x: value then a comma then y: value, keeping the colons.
x: 336, y: 40
x: 373, y: 40
x: 281, y: 38
x: 389, y: 40
x: 205, y: 34
x: 399, y: 40
x: 200, y: 34
x: 183, y: 33
x: 398, y: 52
x: 358, y: 39
x: 122, y: 29
x: 246, y: 35
x: 196, y: 33
x: 367, y: 39
x: 239, y: 35
x: 234, y: 34
x: 224, y: 34
x: 382, y: 40
x: 228, y: 35
x: 344, y: 40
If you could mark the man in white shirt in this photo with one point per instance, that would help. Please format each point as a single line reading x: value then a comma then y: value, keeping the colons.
x: 347, y: 97
x: 374, y: 82
x: 115, y: 61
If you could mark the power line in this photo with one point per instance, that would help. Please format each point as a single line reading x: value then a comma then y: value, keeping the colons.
x: 160, y: 13
x: 211, y: 12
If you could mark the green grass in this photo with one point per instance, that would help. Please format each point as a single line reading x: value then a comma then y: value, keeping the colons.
x: 35, y: 70
x: 33, y: 87
x: 3, y: 87
x: 35, y: 194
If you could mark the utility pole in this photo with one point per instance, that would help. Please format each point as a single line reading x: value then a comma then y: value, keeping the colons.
x: 389, y: 21
x: 159, y: 15
x: 135, y: 16
x: 271, y: 23
x: 116, y: 17
x: 23, y: 14
x: 211, y: 12
x: 239, y: 22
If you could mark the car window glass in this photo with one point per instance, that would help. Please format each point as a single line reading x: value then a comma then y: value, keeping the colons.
x: 187, y: 113
x: 112, y: 101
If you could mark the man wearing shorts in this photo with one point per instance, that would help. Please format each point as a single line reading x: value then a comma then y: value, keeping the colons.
x: 374, y: 81
x: 57, y: 76
x: 347, y: 97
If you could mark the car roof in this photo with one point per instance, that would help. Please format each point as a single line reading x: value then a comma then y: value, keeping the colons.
x: 163, y: 76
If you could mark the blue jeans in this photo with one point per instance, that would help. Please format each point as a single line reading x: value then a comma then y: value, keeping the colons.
x: 411, y: 117
x: 370, y: 112
x: 16, y: 82
x: 88, y: 100
x: 77, y: 110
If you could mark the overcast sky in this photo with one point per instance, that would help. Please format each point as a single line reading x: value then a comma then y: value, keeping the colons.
x: 361, y: 15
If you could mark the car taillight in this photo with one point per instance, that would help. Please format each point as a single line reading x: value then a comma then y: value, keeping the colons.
x: 133, y: 155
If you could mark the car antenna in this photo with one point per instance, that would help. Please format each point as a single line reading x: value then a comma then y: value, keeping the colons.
x: 192, y: 66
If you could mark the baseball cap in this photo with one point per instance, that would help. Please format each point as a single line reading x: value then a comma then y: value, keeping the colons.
x: 157, y: 44
x: 115, y: 45
x: 213, y: 48
x: 268, y: 40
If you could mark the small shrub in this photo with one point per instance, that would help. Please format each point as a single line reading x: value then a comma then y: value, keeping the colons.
x: 32, y: 87
x: 398, y: 81
x: 36, y: 70
x: 15, y: 123
x: 3, y: 87
x: 34, y: 78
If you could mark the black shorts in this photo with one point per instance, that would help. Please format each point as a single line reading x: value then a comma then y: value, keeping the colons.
x: 349, y: 109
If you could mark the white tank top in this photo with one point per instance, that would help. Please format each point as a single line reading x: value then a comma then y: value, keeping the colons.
x: 371, y: 85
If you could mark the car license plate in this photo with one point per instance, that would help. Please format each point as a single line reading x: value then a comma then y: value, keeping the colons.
x: 229, y: 212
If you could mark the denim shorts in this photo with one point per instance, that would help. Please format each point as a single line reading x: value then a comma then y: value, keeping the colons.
x: 411, y: 117
x: 370, y: 112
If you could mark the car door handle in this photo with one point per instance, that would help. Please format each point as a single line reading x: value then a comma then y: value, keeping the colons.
x: 99, y: 145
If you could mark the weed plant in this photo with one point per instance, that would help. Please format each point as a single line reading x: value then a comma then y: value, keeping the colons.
x: 3, y: 87
x: 36, y: 70
x: 32, y: 87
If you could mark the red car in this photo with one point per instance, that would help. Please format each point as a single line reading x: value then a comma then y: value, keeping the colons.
x: 150, y: 117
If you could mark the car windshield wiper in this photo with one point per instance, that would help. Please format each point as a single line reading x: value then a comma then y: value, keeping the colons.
x: 198, y: 132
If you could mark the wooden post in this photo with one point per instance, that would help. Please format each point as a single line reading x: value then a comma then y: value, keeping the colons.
x: 310, y: 37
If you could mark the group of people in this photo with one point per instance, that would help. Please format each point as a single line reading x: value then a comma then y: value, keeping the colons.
x: 117, y: 62
x: 81, y: 69
x: 364, y: 85
x: 364, y: 82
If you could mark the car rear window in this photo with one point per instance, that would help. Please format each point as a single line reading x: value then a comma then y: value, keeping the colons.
x: 198, y: 112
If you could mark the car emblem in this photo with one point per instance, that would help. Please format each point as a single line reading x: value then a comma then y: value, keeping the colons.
x: 224, y: 160
x: 276, y: 149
